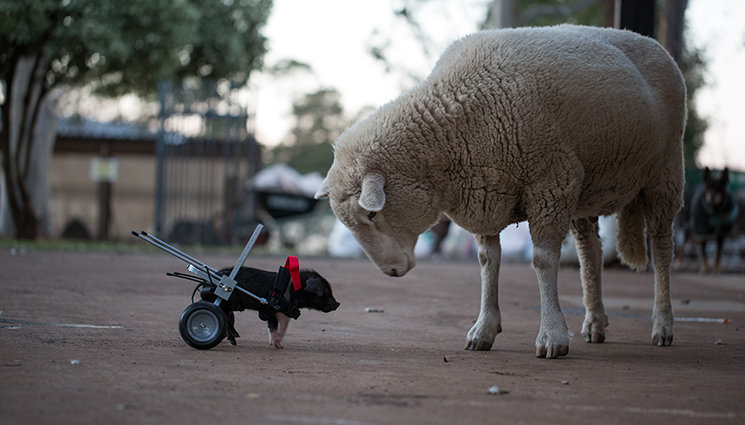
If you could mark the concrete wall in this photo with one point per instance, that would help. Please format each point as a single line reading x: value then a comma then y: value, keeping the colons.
x: 74, y: 194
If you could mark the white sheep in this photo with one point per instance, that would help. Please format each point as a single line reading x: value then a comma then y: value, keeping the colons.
x: 556, y: 126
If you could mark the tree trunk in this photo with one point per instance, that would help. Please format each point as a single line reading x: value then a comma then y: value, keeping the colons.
x: 672, y: 23
x: 501, y: 14
x: 638, y: 16
x: 28, y: 133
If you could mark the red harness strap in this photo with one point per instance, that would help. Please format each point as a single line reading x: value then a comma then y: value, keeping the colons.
x: 293, y: 265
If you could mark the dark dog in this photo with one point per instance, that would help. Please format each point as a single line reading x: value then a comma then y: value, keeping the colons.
x: 711, y: 215
x: 315, y: 293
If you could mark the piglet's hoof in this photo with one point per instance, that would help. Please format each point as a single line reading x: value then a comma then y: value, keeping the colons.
x: 552, y: 351
x: 276, y: 344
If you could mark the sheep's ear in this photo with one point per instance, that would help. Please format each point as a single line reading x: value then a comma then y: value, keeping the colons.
x: 372, y: 197
x: 323, y: 191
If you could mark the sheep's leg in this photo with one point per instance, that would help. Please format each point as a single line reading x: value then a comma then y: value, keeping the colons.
x: 590, y: 254
x: 553, y: 336
x: 489, y: 323
x: 548, y: 205
x: 662, y: 314
x: 659, y: 212
x: 662, y: 201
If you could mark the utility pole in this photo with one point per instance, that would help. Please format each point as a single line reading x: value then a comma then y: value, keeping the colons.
x: 636, y: 15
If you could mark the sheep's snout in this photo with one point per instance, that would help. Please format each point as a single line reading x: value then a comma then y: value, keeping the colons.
x: 394, y: 272
x: 399, y: 269
x: 393, y: 255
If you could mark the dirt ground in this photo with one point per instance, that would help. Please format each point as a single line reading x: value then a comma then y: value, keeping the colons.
x: 92, y: 338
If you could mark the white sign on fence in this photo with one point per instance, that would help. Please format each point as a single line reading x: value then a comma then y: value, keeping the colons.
x: 104, y: 169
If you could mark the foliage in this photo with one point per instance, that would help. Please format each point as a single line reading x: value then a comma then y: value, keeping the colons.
x: 550, y: 12
x: 119, y: 47
x: 319, y: 120
x: 286, y: 67
x: 304, y: 158
x: 130, y: 46
x: 693, y: 66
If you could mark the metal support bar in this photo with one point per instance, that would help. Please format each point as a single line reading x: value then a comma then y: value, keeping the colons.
x: 246, y: 250
x: 226, y: 284
x: 177, y: 253
x: 256, y: 297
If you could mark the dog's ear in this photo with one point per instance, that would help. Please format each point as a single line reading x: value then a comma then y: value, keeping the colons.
x: 314, y: 286
x: 706, y: 174
x: 724, y: 178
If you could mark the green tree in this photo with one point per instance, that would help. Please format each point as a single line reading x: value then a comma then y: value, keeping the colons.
x: 319, y: 120
x: 518, y: 13
x: 118, y: 47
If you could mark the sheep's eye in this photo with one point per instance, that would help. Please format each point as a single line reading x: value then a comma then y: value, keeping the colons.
x: 371, y: 215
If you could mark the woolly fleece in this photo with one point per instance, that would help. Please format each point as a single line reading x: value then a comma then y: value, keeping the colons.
x: 553, y: 125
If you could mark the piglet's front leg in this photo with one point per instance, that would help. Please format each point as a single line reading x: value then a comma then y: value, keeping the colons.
x: 232, y: 333
x: 277, y: 329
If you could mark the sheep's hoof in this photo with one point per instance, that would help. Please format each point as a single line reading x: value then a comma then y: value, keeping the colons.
x: 481, y: 337
x: 595, y: 337
x: 662, y: 329
x: 478, y: 345
x: 594, y: 330
x: 665, y: 338
x: 552, y: 351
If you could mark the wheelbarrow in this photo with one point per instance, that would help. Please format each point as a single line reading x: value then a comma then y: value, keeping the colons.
x: 202, y: 324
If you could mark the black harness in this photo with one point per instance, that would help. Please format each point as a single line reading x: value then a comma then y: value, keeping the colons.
x: 278, y: 301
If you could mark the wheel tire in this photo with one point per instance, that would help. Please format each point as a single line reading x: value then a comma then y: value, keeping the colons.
x: 202, y: 325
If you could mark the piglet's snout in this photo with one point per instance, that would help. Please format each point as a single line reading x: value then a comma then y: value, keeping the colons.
x: 331, y: 306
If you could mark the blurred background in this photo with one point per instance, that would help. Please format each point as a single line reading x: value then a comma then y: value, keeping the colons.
x: 196, y: 120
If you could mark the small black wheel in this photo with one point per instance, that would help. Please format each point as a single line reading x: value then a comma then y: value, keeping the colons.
x: 202, y: 325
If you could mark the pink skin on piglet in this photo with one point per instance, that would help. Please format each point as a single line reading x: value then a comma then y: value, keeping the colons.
x: 275, y: 336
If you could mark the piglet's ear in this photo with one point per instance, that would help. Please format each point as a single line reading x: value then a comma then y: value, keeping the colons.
x: 323, y: 191
x: 314, y: 286
x: 372, y: 197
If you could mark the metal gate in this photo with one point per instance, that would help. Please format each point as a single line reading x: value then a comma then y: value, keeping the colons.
x: 206, y: 157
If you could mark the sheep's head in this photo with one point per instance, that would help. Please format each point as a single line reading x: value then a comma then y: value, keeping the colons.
x: 385, y: 217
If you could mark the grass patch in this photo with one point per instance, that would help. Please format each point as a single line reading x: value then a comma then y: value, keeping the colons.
x: 134, y: 246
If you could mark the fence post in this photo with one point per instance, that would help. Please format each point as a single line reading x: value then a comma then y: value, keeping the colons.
x: 163, y: 88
